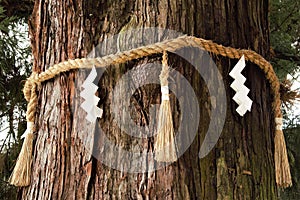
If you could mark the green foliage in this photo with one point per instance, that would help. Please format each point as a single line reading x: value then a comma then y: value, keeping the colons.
x: 285, y: 36
x: 15, y: 66
x: 285, y: 42
x: 5, y: 21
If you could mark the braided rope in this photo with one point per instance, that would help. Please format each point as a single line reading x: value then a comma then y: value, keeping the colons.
x: 164, y: 74
x: 167, y: 45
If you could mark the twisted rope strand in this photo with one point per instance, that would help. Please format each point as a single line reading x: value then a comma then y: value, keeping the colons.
x: 167, y: 45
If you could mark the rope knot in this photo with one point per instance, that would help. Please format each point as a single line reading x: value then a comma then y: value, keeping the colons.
x: 165, y: 93
x: 279, y: 123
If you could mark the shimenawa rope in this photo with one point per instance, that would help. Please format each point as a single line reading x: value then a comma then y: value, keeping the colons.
x: 20, y: 176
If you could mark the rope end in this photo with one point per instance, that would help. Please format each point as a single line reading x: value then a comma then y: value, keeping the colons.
x: 21, y: 174
x: 164, y: 146
x: 282, y: 167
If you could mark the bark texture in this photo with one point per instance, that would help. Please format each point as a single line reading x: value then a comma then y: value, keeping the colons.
x: 241, y: 166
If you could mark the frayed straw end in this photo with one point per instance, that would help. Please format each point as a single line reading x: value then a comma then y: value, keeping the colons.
x: 21, y: 175
x: 282, y: 167
x: 164, y: 146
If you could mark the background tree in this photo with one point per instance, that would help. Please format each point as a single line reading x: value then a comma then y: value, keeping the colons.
x: 285, y: 40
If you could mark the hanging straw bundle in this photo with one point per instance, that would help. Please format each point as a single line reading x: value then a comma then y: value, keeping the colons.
x: 22, y: 171
x: 164, y: 146
x: 282, y: 167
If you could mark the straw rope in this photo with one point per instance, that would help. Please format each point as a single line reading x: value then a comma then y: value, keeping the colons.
x: 167, y: 45
x: 164, y: 74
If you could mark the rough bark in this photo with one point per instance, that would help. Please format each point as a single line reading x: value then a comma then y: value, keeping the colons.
x: 241, y: 166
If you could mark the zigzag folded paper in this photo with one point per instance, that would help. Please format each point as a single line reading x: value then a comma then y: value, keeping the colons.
x: 91, y: 100
x: 242, y: 91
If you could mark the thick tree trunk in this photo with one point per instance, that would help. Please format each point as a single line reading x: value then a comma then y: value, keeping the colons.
x: 241, y: 165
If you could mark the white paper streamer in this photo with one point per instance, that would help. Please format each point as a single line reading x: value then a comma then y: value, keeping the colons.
x: 241, y: 98
x: 165, y: 93
x: 91, y: 100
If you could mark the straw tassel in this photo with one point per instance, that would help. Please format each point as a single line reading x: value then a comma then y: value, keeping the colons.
x: 164, y: 146
x: 282, y: 167
x: 22, y: 171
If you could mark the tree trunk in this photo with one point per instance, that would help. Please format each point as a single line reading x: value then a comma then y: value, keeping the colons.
x: 240, y: 166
